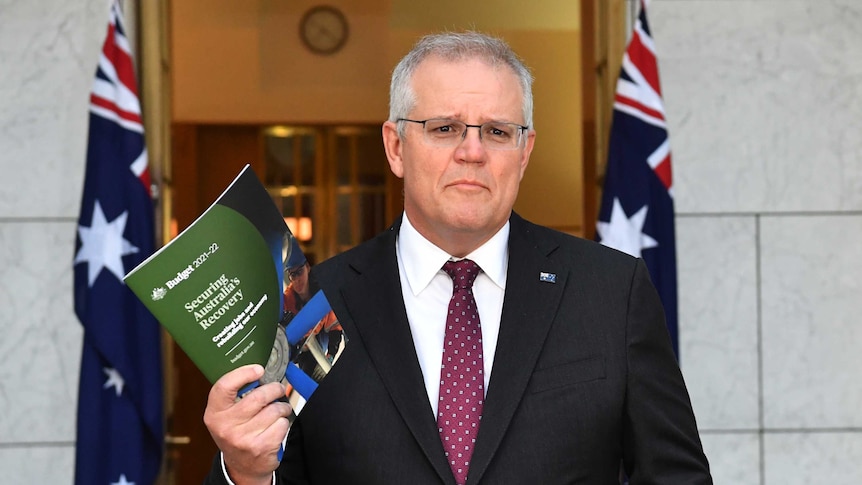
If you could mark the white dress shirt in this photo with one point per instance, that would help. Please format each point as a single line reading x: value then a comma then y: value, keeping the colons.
x: 427, y: 289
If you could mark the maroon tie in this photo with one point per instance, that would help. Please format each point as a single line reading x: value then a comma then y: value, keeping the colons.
x: 462, y: 382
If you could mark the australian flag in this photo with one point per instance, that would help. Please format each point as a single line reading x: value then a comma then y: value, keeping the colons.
x: 637, y: 214
x: 120, y: 396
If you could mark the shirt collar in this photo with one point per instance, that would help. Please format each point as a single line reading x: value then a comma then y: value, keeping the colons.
x: 421, y: 259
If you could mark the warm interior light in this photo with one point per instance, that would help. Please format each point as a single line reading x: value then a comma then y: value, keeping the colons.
x: 300, y: 227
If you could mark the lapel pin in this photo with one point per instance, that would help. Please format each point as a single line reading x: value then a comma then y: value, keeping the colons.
x: 548, y: 277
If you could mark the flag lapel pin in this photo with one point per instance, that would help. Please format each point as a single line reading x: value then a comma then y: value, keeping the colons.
x: 548, y: 277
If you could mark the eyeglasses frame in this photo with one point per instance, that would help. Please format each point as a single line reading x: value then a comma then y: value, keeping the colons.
x: 521, y: 130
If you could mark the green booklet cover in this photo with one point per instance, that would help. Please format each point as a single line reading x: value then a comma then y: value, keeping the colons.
x: 221, y: 289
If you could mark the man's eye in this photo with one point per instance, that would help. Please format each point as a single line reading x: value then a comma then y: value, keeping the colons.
x: 498, y: 132
x: 443, y: 128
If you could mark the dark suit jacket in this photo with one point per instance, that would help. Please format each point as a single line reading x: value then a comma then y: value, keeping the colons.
x: 584, y: 377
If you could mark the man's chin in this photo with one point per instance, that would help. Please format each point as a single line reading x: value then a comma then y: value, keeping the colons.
x: 472, y: 222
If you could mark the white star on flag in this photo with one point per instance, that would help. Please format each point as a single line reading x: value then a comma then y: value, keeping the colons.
x: 103, y: 245
x: 122, y: 481
x: 114, y: 379
x: 624, y: 233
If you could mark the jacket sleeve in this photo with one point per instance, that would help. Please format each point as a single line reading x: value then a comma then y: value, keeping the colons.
x: 292, y: 469
x: 218, y: 475
x: 660, y: 438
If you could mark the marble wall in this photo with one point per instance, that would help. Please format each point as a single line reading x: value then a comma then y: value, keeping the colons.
x: 764, y: 99
x: 48, y: 53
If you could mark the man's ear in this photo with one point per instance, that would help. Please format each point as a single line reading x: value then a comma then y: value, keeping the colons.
x: 528, y: 149
x: 392, y: 145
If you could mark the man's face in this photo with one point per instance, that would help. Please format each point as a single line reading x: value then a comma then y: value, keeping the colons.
x: 463, y: 193
x: 299, y: 280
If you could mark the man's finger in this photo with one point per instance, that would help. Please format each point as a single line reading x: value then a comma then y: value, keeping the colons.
x: 275, y: 434
x: 268, y: 415
x: 254, y: 401
x: 224, y: 391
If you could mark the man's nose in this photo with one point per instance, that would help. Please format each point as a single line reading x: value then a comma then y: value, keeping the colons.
x: 471, y: 148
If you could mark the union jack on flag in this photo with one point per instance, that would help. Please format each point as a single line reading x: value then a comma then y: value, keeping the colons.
x: 637, y: 215
x: 120, y: 434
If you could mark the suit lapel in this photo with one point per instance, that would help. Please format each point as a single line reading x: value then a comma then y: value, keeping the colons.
x: 373, y: 299
x: 529, y: 307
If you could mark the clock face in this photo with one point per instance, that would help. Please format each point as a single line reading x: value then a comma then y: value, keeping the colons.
x: 323, y: 29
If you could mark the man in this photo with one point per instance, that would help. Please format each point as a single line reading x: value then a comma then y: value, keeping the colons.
x: 578, y: 372
x: 297, y: 293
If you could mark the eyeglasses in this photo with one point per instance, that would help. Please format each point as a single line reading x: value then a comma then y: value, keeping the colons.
x: 294, y: 274
x: 495, y: 135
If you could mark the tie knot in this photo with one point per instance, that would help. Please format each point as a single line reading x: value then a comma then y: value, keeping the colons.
x: 463, y: 273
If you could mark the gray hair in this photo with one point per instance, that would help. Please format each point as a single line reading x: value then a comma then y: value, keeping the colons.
x: 455, y: 46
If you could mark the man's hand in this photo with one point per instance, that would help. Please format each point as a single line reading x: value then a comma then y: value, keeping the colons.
x: 250, y: 431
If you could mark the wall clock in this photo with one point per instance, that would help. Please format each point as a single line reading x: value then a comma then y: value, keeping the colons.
x: 323, y: 29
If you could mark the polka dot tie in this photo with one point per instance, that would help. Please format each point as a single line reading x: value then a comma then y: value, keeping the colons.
x: 462, y: 384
